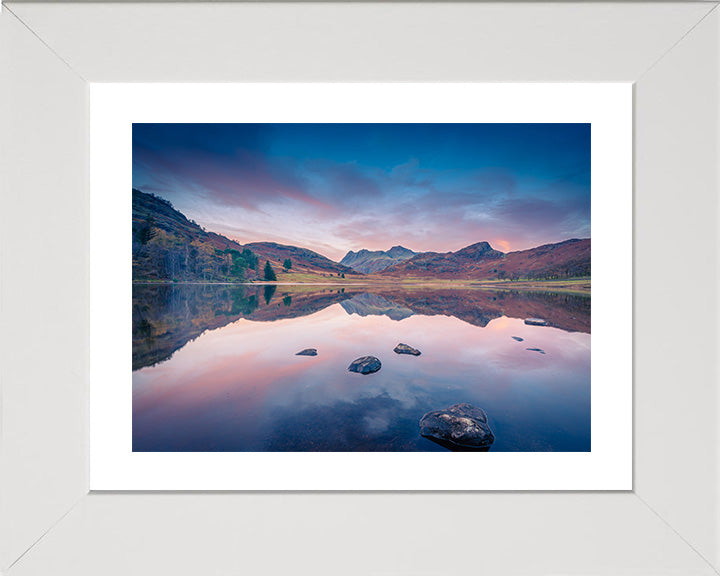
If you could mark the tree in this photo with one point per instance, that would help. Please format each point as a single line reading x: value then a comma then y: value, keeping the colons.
x: 343, y: 274
x: 287, y: 264
x: 146, y: 231
x: 269, y: 272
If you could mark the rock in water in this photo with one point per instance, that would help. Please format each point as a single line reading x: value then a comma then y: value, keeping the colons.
x: 535, y: 322
x: 307, y: 352
x: 536, y: 350
x: 405, y: 349
x: 517, y: 338
x: 461, y: 425
x: 365, y: 365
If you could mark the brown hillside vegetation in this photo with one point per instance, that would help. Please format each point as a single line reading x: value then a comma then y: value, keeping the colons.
x: 480, y: 262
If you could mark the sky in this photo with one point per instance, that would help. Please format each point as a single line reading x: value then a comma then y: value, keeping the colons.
x: 339, y: 187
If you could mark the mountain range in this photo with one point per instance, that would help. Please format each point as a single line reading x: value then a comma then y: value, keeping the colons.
x: 480, y: 261
x: 367, y: 262
x: 169, y: 247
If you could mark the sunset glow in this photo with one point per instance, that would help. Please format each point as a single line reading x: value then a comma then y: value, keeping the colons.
x: 339, y: 187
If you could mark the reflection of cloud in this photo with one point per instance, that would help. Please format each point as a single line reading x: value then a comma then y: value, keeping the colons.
x: 241, y: 387
x: 376, y: 423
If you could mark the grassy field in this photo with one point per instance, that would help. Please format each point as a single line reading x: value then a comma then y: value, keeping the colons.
x: 564, y: 285
x: 567, y: 285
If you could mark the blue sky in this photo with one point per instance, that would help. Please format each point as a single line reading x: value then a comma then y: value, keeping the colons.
x: 339, y: 187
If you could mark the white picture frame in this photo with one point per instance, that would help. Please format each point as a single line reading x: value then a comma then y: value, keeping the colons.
x: 668, y: 523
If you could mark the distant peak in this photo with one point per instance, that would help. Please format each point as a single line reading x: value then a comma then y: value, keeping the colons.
x: 478, y: 246
x: 400, y: 250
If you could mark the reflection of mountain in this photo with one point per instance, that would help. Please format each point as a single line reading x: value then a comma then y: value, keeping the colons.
x: 166, y: 316
x: 167, y: 246
x: 375, y: 305
x: 478, y: 307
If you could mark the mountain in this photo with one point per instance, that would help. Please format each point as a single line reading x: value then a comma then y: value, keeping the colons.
x: 481, y: 262
x: 166, y: 246
x: 303, y: 260
x: 570, y: 258
x: 368, y: 262
x: 461, y: 264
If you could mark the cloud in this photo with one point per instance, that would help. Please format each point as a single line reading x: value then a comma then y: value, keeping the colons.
x: 246, y: 188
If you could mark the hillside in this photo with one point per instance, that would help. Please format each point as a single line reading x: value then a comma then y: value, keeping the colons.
x: 481, y: 262
x: 367, y: 262
x: 302, y: 259
x: 169, y: 247
x: 166, y: 246
x: 570, y: 258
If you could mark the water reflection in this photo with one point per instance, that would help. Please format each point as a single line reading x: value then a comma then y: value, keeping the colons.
x: 166, y: 317
x: 240, y: 387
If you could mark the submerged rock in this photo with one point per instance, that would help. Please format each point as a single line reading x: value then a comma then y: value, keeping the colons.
x: 535, y: 322
x: 307, y: 352
x: 517, y: 338
x: 365, y: 365
x: 536, y: 350
x: 405, y: 349
x: 460, y: 426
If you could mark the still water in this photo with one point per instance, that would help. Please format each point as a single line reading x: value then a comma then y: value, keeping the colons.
x: 214, y: 367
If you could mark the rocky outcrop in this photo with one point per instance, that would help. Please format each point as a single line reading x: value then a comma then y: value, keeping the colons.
x: 365, y: 365
x: 536, y: 350
x: 307, y: 352
x: 535, y: 322
x: 460, y: 425
x: 405, y: 349
x: 517, y: 338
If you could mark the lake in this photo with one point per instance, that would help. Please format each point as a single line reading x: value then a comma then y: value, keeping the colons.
x: 215, y: 367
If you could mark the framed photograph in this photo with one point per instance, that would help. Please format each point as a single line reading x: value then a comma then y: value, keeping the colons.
x: 201, y: 296
x: 271, y: 274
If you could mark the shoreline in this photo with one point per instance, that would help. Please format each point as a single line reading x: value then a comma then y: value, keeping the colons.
x: 579, y: 286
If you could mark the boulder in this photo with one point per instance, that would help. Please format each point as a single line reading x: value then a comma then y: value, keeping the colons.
x: 365, y: 365
x: 517, y: 338
x: 460, y: 425
x: 536, y: 350
x: 307, y: 352
x: 535, y: 322
x: 405, y: 349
